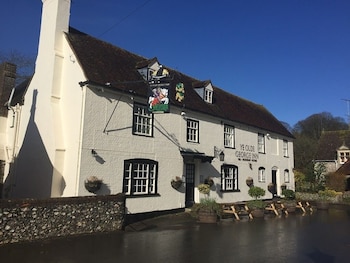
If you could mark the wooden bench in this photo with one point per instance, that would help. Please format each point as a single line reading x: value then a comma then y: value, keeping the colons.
x: 236, y: 209
x: 304, y: 207
x: 271, y: 207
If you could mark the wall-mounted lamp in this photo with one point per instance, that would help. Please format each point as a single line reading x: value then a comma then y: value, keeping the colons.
x: 268, y: 136
x: 93, y: 153
x: 222, y: 156
x: 183, y: 114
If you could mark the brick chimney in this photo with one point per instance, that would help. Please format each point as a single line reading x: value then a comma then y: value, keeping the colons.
x: 7, y: 83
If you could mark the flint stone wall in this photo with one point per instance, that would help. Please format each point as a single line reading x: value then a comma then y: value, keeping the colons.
x: 34, y: 219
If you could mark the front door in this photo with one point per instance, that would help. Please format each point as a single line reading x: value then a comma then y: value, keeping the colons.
x: 274, y: 181
x: 189, y: 194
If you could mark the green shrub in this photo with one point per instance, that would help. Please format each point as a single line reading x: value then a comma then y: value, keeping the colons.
x: 208, y: 204
x: 256, y: 192
x: 327, y: 194
x: 256, y: 204
x: 288, y: 194
x: 204, y: 189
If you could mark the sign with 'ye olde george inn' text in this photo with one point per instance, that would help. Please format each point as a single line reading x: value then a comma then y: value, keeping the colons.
x: 247, y: 153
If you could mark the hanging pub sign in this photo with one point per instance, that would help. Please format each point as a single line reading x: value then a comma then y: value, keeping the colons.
x: 158, y: 99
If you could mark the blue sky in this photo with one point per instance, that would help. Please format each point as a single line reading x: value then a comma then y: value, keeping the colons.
x: 292, y: 56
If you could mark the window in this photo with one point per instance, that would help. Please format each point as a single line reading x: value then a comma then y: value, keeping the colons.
x: 286, y: 176
x: 142, y: 121
x: 261, y: 143
x: 285, y: 148
x: 343, y: 157
x: 229, y: 178
x: 229, y: 136
x: 208, y: 95
x: 261, y: 175
x: 192, y: 131
x: 140, y: 177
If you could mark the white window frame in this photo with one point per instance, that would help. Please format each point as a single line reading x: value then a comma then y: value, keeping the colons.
x: 261, y: 175
x: 344, y: 156
x: 261, y: 143
x: 285, y: 148
x: 229, y: 136
x: 140, y: 177
x: 142, y: 121
x: 192, y: 130
x: 286, y: 176
x: 229, y: 178
x: 208, y: 95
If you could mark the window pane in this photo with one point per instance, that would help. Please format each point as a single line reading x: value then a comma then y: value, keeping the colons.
x: 143, y: 121
x: 140, y: 177
x: 261, y: 175
x: 285, y: 148
x: 192, y: 130
x: 261, y: 143
x: 229, y: 136
x: 229, y: 177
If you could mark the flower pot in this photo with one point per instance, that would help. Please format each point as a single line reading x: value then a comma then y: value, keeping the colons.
x: 207, y: 216
x: 258, y: 213
x: 93, y: 187
x: 249, y: 181
x: 176, y: 184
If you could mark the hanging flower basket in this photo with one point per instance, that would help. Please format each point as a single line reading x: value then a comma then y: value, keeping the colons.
x: 176, y: 183
x: 249, y: 181
x: 93, y: 184
x: 209, y: 181
x: 271, y: 188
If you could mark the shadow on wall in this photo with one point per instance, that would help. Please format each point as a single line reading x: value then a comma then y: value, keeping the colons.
x: 31, y: 173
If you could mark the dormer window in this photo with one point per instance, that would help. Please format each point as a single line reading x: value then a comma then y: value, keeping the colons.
x: 148, y: 68
x: 343, y: 154
x: 204, y: 90
x: 208, y: 96
x: 343, y: 157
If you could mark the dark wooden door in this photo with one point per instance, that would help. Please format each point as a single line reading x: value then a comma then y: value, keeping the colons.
x: 189, y: 195
x: 274, y: 181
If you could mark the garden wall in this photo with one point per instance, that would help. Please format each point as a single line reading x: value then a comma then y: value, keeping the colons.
x: 34, y: 219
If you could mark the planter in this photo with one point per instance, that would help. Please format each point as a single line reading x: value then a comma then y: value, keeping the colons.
x: 249, y: 181
x: 322, y: 205
x: 93, y: 187
x: 290, y: 208
x: 207, y: 216
x: 258, y: 213
x: 176, y: 184
x: 209, y: 181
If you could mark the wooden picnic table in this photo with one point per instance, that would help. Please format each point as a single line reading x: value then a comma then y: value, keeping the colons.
x: 237, y: 209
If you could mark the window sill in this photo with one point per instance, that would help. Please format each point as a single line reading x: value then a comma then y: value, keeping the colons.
x: 230, y: 191
x: 141, y: 195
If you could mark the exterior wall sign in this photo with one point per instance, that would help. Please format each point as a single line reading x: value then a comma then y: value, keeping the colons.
x: 247, y: 153
x: 158, y: 99
x: 180, y: 92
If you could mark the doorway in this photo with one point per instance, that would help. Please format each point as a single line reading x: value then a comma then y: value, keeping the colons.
x: 189, y: 194
x: 274, y: 182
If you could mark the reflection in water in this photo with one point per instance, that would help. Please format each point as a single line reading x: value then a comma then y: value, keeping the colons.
x: 320, y: 237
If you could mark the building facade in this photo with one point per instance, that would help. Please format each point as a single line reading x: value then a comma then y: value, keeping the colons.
x: 94, y: 111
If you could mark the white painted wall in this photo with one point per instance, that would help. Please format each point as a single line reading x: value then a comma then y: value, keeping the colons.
x: 118, y: 144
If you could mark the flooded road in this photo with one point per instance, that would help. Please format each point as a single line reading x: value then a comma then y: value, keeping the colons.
x: 322, y: 237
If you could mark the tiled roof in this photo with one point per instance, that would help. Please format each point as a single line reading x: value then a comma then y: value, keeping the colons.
x: 344, y: 169
x: 104, y: 63
x: 20, y: 90
x: 329, y: 142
